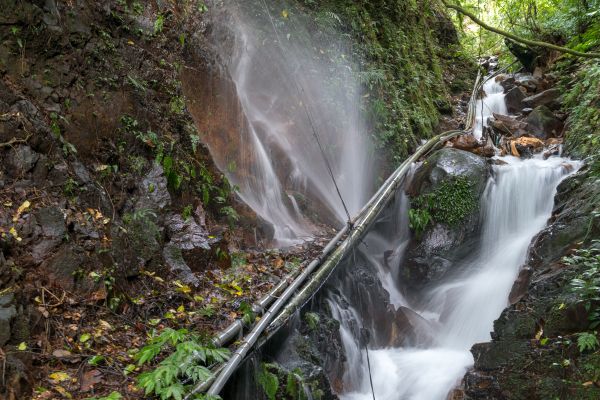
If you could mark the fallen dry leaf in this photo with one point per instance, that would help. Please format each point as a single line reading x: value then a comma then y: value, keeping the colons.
x: 89, y: 379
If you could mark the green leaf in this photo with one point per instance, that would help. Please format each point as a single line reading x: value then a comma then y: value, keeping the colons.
x: 587, y: 341
x: 268, y: 381
x: 147, y: 353
x: 95, y: 360
x: 85, y: 337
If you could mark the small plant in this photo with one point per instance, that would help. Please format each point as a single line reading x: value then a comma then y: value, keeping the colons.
x: 177, y: 105
x: 231, y: 215
x: 159, y: 24
x: 177, y: 374
x: 201, y: 6
x: 268, y: 381
x: 70, y: 187
x: 294, y: 387
x: 195, y: 141
x: 587, y: 285
x: 587, y: 341
x: 312, y: 320
x: 418, y: 219
x: 112, y: 396
x: 248, y: 315
x: 186, y: 214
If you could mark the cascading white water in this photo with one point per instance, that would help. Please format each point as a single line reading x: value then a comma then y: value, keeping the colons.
x: 491, y: 102
x: 517, y: 203
x: 513, y: 213
x: 290, y: 79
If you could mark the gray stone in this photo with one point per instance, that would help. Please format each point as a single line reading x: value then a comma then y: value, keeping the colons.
x: 52, y: 221
x: 546, y: 98
x: 543, y: 124
x: 7, y: 312
x: 21, y: 160
x: 155, y: 193
x: 174, y: 260
x: 81, y: 172
x: 192, y: 240
x: 58, y: 174
x: 513, y: 100
x: 527, y: 81
x: 434, y: 253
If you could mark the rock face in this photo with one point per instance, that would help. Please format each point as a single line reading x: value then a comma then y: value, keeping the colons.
x: 526, y: 358
x: 431, y: 255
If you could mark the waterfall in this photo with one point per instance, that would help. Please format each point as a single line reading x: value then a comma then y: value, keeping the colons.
x: 296, y: 83
x: 492, y: 101
x: 516, y: 205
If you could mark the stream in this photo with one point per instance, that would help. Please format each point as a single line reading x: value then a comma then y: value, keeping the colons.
x: 516, y: 205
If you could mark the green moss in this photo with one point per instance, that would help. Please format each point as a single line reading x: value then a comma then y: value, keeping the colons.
x: 407, y: 46
x: 582, y: 102
x: 450, y: 203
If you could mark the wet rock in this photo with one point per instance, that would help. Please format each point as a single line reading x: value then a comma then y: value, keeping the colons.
x: 52, y: 223
x: 546, y: 98
x: 62, y: 267
x: 155, y: 193
x: 526, y: 111
x: 432, y: 254
x: 174, y: 260
x: 525, y: 146
x: 40, y: 171
x: 8, y: 311
x: 574, y: 203
x: 543, y: 124
x: 81, y: 172
x: 465, y: 142
x: 21, y: 160
x: 194, y: 242
x: 58, y: 174
x: 513, y: 99
x: 527, y: 81
x: 506, y: 125
x: 139, y: 246
x: 506, y: 81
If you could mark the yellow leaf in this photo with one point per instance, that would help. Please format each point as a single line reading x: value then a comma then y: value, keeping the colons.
x: 185, y: 289
x: 180, y: 309
x: 59, y: 376
x: 22, y: 208
x: 8, y: 204
x: 104, y: 324
x: 22, y: 346
x: 285, y: 14
x: 130, y: 42
x: 63, y: 392
x: 13, y: 232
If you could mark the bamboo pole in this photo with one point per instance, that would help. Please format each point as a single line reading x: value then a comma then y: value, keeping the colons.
x: 269, y: 324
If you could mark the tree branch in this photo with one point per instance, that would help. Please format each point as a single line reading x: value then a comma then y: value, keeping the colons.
x: 519, y: 38
x: 14, y: 140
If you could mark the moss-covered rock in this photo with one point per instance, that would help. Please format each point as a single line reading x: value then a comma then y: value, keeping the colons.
x: 445, y: 190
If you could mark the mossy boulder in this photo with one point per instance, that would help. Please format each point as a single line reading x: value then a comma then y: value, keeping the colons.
x: 445, y: 193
